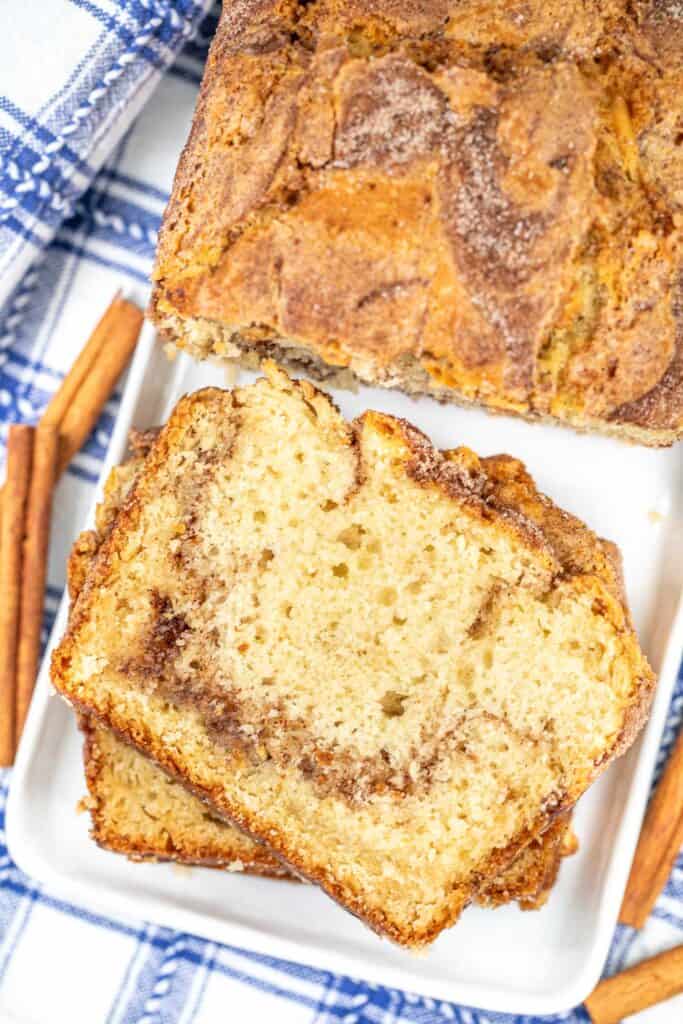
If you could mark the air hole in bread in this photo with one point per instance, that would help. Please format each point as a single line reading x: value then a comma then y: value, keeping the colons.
x: 352, y: 537
x: 392, y: 703
x: 266, y: 557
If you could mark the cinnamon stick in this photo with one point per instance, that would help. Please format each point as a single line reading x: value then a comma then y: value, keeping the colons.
x: 98, y: 383
x: 19, y: 455
x: 649, y: 982
x: 64, y: 426
x: 660, y: 841
x: 61, y: 400
x: 34, y: 570
x: 115, y: 333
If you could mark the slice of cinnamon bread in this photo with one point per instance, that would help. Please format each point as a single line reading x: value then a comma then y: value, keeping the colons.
x: 138, y: 810
x: 392, y: 666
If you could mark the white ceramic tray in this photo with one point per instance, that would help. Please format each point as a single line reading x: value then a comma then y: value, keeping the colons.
x: 505, y: 960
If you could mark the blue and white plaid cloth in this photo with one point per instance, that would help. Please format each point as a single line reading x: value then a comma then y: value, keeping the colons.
x: 81, y: 196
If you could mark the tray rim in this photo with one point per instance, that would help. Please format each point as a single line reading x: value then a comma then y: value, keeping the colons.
x: 406, y: 976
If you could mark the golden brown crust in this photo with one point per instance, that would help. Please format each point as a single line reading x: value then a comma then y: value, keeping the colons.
x: 532, y: 875
x: 484, y: 495
x: 81, y: 556
x: 478, y: 201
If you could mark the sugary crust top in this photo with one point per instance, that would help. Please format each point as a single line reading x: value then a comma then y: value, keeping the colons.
x: 489, y: 193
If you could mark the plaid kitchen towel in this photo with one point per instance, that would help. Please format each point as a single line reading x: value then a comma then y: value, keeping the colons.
x: 68, y: 238
x: 73, y: 76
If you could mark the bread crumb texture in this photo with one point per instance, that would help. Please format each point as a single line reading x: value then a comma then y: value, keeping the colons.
x: 474, y: 200
x: 138, y: 810
x: 394, y: 666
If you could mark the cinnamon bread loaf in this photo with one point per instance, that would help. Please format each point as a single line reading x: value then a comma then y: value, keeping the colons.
x: 479, y: 201
x: 395, y: 668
